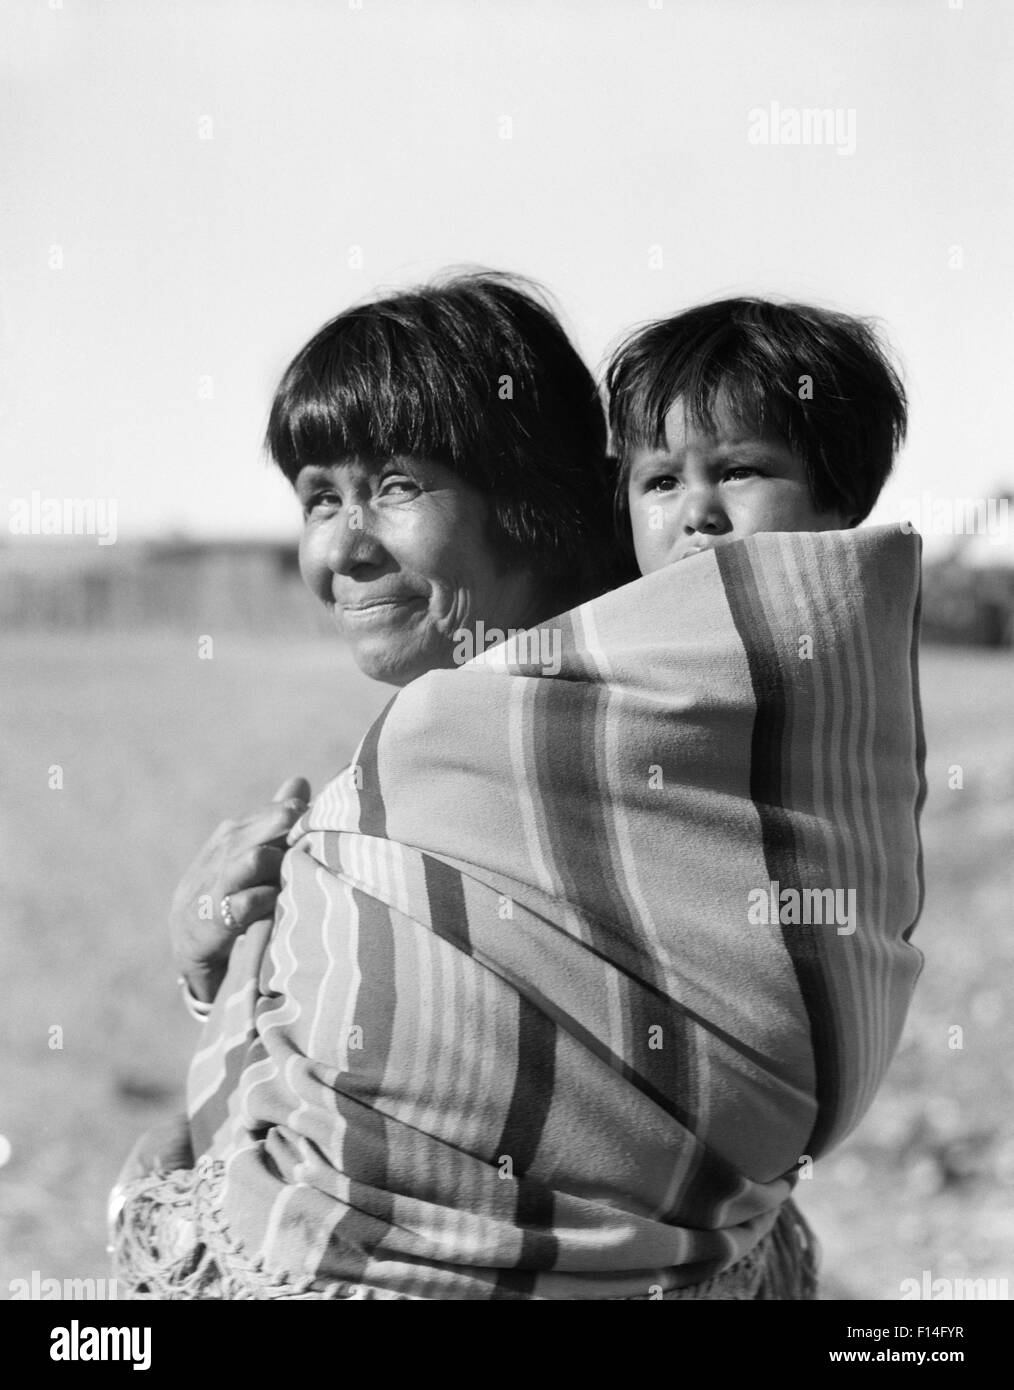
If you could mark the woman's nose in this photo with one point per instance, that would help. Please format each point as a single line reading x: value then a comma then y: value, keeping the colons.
x: 351, y: 543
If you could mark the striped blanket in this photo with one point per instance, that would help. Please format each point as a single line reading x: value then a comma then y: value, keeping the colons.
x: 598, y: 941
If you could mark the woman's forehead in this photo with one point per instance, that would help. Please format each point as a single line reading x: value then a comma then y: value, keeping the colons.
x: 357, y: 465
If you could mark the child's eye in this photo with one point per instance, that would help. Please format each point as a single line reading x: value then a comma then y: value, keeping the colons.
x: 665, y: 482
x: 735, y: 474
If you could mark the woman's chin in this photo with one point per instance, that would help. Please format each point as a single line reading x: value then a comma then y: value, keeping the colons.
x: 393, y: 658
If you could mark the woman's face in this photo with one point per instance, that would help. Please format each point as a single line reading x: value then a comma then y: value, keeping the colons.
x: 398, y: 551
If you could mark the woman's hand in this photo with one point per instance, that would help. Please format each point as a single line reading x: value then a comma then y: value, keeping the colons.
x: 241, y: 860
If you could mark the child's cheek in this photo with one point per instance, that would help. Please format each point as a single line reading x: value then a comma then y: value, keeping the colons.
x: 650, y: 532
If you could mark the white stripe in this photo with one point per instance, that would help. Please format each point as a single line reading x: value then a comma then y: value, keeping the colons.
x: 839, y: 814
x: 882, y: 977
x: 286, y: 1193
x: 322, y: 994
x: 355, y: 974
x: 517, y: 728
x: 627, y: 880
x: 284, y: 1015
x: 414, y: 1108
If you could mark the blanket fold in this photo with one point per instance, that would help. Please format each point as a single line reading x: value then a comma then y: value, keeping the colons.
x: 598, y: 940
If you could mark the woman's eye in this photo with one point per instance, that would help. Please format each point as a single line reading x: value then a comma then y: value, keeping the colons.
x: 398, y: 486
x: 320, y: 500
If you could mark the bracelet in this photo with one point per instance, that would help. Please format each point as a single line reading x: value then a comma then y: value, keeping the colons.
x: 114, y: 1210
x: 196, y: 1008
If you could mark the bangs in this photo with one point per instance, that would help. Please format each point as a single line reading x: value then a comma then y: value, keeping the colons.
x: 475, y: 372
x: 715, y: 372
x: 375, y: 391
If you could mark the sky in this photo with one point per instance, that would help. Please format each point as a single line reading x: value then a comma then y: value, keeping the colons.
x: 189, y: 188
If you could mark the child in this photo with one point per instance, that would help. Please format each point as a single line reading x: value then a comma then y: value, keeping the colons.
x: 744, y: 416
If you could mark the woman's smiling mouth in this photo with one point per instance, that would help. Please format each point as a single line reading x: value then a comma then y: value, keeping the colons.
x: 377, y: 610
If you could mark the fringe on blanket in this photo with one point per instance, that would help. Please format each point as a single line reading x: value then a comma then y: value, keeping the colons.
x: 782, y: 1267
x: 792, y: 1259
x: 169, y: 1244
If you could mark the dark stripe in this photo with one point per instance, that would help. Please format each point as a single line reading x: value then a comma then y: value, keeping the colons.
x: 771, y: 695
x: 567, y: 717
x: 446, y: 894
x: 653, y: 1005
x: 669, y: 1082
x: 920, y: 748
x: 668, y: 1075
x: 372, y: 811
x: 522, y: 1133
x: 364, y: 1157
x: 215, y: 1111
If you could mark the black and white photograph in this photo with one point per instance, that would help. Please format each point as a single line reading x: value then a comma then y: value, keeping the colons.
x: 507, y: 612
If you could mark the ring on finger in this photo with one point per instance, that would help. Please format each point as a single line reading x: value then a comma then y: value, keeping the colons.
x: 225, y: 909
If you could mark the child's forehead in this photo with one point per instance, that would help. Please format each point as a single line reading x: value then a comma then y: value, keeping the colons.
x: 722, y: 425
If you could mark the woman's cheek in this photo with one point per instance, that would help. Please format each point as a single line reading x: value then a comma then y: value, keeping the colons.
x: 451, y: 606
x: 312, y: 566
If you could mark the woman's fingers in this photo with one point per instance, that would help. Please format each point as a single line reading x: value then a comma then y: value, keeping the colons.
x: 258, y: 867
x: 269, y: 825
x: 249, y: 905
x: 242, y: 861
x: 293, y: 788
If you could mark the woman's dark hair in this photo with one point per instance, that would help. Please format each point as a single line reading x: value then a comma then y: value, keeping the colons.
x: 474, y: 372
x: 820, y: 379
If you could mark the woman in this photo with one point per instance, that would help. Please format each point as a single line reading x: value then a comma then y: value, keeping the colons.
x: 476, y: 490
x: 505, y: 1040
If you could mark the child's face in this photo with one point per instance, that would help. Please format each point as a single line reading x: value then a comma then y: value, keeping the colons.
x: 700, y: 490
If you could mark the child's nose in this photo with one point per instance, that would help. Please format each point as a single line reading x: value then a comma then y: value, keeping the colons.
x: 703, y: 513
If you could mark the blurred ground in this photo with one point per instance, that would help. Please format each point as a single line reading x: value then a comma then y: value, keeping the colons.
x: 157, y: 746
x: 926, y: 1182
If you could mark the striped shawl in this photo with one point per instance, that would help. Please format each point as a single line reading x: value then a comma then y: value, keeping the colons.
x: 551, y: 1006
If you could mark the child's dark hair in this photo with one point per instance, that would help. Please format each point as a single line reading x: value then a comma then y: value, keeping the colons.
x: 475, y: 372
x: 846, y: 428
